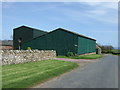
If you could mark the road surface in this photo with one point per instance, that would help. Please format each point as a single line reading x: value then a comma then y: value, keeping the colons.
x: 101, y: 74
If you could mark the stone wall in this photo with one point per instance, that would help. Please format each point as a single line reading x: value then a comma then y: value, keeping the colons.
x: 21, y: 56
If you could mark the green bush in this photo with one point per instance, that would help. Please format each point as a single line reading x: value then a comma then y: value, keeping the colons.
x: 28, y: 48
x: 116, y: 52
x: 70, y: 54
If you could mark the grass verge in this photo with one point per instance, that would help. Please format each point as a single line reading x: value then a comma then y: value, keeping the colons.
x: 27, y: 74
x: 92, y: 56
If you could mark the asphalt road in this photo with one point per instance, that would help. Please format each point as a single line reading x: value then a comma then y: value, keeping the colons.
x: 101, y: 74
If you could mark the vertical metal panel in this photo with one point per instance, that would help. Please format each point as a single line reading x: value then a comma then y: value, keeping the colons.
x: 58, y: 40
x: 86, y: 45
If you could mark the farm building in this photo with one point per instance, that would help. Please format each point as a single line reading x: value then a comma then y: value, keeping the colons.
x: 6, y: 44
x: 25, y: 33
x: 61, y: 40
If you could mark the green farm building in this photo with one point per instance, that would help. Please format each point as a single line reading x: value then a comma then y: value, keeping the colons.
x: 25, y: 33
x: 60, y: 40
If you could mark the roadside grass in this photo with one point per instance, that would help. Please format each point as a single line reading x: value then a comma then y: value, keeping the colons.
x: 92, y: 56
x: 28, y: 74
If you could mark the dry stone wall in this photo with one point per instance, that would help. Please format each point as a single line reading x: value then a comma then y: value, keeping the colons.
x: 21, y: 56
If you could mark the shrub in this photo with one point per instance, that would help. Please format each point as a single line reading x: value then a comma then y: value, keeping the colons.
x: 28, y: 48
x: 116, y: 52
x: 70, y: 54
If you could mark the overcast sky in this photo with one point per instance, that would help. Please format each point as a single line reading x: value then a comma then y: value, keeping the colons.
x: 98, y: 20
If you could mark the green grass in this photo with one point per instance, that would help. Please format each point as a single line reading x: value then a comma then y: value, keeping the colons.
x: 27, y: 74
x: 92, y: 56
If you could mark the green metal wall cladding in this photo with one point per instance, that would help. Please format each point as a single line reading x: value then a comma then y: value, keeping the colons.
x: 86, y: 45
x: 58, y: 40
x: 25, y: 33
x: 63, y: 42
